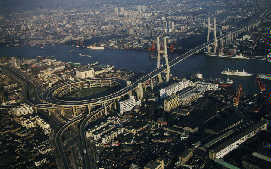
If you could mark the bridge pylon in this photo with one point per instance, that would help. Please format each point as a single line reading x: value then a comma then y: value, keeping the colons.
x: 152, y: 84
x: 160, y: 80
x: 105, y: 109
x: 165, y: 55
x: 139, y: 91
x: 166, y: 59
x: 128, y: 83
x: 212, y: 28
x: 62, y: 111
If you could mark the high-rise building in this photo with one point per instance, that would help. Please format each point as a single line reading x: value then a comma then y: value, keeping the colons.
x: 116, y: 11
x: 165, y: 25
x: 122, y: 11
x: 172, y: 26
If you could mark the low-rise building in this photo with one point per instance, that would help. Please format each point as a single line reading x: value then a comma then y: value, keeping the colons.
x: 128, y: 105
x: 157, y: 164
x: 83, y: 74
x: 23, y: 109
x: 45, y: 126
x: 219, y: 150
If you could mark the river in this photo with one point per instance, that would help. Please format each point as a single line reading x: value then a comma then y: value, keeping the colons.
x: 139, y: 61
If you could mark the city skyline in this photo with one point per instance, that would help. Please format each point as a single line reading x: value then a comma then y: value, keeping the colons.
x: 116, y: 84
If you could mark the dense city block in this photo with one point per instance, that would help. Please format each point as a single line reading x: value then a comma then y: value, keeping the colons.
x: 204, y: 103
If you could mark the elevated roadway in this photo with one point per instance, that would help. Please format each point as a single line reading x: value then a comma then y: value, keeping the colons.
x: 83, y: 119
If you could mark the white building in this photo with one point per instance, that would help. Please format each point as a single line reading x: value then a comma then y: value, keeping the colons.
x: 104, y: 70
x: 45, y: 126
x: 23, y: 109
x: 246, y: 37
x: 188, y: 95
x: 85, y: 74
x: 129, y: 104
x: 28, y: 122
x: 174, y: 88
x: 203, y: 86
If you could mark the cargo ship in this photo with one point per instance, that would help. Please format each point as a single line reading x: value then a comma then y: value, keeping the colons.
x: 95, y: 47
x: 235, y: 73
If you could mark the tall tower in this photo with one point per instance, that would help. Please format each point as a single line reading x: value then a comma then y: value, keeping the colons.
x: 212, y: 28
x: 172, y: 26
x: 116, y: 11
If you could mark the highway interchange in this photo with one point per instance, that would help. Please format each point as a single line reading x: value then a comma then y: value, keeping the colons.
x: 46, y: 100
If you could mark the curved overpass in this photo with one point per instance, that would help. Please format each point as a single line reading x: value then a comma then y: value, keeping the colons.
x: 51, y: 100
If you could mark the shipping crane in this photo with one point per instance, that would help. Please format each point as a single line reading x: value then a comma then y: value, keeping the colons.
x: 236, y: 98
x: 171, y: 48
x: 152, y: 48
x: 261, y: 85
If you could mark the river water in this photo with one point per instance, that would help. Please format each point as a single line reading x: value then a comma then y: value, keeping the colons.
x: 139, y: 61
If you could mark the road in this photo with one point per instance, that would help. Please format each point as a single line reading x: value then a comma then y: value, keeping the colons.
x: 111, y: 97
x: 31, y: 99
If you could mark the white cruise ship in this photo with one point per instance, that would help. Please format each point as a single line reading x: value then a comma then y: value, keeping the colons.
x: 235, y: 73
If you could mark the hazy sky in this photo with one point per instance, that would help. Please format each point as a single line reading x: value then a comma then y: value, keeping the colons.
x: 34, y: 4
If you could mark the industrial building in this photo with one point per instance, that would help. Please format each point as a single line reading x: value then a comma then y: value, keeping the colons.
x: 174, y: 88
x: 188, y: 94
x: 221, y: 149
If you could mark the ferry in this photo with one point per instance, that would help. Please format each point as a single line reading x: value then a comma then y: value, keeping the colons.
x: 80, y: 54
x: 95, y: 47
x: 235, y: 73
x: 95, y: 63
x: 264, y: 76
x: 225, y: 83
x: 240, y: 56
x: 223, y: 56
